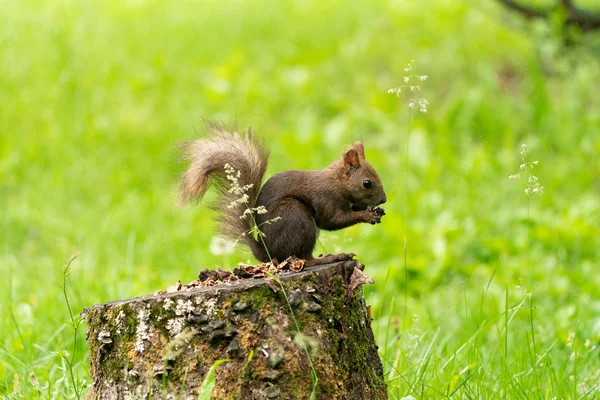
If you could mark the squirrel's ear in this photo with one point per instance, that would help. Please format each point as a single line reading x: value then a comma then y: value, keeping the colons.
x: 351, y: 158
x: 360, y: 149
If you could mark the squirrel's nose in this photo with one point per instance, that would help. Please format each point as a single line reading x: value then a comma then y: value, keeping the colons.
x: 383, y: 200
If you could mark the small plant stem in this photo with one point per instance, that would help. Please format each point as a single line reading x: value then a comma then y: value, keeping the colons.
x: 406, y: 218
x: 534, y: 357
x: 574, y: 355
x: 183, y: 383
x: 322, y: 246
x: 74, y: 325
x: 506, y: 322
x: 18, y: 330
x: 243, y: 373
x: 405, y: 287
x: 260, y: 235
x: 528, y: 246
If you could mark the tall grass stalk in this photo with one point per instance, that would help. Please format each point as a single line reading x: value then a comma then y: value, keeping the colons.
x: 406, y: 190
x: 532, y: 186
x: 409, y: 86
x: 74, y: 323
x: 533, y: 348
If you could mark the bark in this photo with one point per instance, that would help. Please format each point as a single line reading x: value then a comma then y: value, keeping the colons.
x: 162, y: 346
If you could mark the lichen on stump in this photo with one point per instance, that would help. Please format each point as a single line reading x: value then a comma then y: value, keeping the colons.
x: 163, y: 345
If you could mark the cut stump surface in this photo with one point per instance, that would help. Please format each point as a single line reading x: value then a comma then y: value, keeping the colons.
x: 164, y: 345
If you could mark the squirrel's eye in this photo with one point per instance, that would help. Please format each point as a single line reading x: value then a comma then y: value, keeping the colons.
x: 367, y: 184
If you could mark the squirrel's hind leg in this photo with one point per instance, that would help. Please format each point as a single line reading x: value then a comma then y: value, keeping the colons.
x: 295, y: 234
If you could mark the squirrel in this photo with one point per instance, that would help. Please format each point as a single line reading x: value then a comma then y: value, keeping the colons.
x: 291, y: 207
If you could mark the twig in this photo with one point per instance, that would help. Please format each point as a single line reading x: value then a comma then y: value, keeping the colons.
x: 575, y: 15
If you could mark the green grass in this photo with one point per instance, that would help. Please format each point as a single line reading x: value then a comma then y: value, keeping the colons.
x: 94, y: 96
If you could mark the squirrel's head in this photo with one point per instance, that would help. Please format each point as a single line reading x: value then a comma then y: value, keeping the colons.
x: 363, y: 187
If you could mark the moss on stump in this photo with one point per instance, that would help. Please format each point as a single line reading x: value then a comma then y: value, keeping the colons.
x: 163, y: 345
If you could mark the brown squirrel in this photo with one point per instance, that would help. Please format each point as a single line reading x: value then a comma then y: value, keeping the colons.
x: 345, y: 193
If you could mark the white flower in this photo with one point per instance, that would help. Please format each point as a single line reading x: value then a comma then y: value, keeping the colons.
x: 423, y: 103
x: 220, y: 246
x: 261, y: 210
x: 533, y: 185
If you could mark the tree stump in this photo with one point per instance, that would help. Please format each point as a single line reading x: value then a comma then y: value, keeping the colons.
x: 163, y: 345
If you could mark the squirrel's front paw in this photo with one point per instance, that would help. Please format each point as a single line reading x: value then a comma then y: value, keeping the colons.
x: 374, y: 215
x: 379, y: 211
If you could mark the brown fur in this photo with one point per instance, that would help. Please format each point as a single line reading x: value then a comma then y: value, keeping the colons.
x: 245, y: 152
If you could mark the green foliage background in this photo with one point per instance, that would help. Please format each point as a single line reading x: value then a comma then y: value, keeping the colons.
x: 501, y: 299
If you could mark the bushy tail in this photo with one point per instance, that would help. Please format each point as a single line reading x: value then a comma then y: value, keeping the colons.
x: 242, y: 151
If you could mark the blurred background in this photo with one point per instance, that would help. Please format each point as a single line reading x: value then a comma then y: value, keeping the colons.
x: 481, y: 290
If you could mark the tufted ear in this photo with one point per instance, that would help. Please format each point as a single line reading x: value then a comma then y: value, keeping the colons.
x: 351, y: 158
x: 360, y: 149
